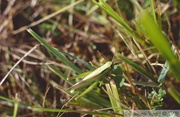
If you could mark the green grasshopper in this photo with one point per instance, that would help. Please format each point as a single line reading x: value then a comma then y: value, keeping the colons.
x: 90, y: 78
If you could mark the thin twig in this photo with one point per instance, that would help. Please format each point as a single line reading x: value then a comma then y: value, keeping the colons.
x: 32, y: 49
x: 45, y: 18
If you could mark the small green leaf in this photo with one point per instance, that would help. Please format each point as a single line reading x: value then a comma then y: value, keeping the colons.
x: 117, y: 75
x: 163, y: 72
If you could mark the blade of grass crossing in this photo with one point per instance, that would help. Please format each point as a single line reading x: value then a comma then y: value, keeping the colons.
x: 57, y: 72
x: 54, y: 51
x: 16, y: 104
x: 139, y: 69
x: 90, y: 88
x: 79, y: 60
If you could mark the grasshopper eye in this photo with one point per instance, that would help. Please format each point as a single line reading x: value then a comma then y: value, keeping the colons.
x: 72, y: 91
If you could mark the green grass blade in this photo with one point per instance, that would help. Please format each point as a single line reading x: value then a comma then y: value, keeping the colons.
x: 90, y: 88
x: 53, y: 110
x: 139, y: 69
x: 57, y: 72
x: 97, y: 97
x: 114, y: 97
x: 79, y: 60
x: 54, y: 51
x: 113, y: 14
x: 153, y: 10
x: 130, y: 32
x: 84, y: 101
x: 16, y: 104
x: 155, y: 35
x: 174, y: 93
x: 136, y: 5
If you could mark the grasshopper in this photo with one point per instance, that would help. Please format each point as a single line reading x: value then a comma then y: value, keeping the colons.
x: 90, y: 78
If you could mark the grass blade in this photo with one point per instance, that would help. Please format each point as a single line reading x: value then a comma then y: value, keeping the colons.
x: 174, y: 93
x: 79, y: 60
x: 102, y: 4
x: 90, y: 88
x: 54, y: 51
x: 139, y: 69
x: 114, y: 97
x: 57, y: 72
x: 16, y: 104
x: 159, y: 40
x: 53, y: 110
x: 153, y: 10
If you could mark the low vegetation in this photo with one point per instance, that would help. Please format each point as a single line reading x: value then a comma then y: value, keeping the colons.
x: 88, y: 58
